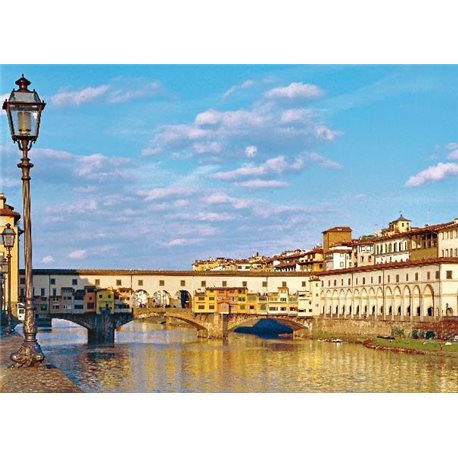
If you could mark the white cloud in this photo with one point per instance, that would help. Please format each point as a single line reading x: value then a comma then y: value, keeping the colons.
x: 9, y: 182
x: 178, y: 242
x: 219, y: 197
x: 208, y: 117
x: 123, y: 95
x: 78, y: 254
x: 211, y: 147
x: 324, y: 162
x: 162, y: 193
x: 47, y: 260
x: 250, y: 151
x: 246, y: 84
x: 85, y: 206
x: 295, y: 91
x: 2, y: 99
x: 326, y: 133
x: 276, y: 165
x: 263, y: 125
x: 438, y: 172
x: 295, y: 115
x: 49, y: 153
x: 76, y: 98
x: 453, y: 154
x: 258, y: 184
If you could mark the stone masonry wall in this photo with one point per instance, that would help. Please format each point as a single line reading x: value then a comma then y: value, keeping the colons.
x: 444, y: 329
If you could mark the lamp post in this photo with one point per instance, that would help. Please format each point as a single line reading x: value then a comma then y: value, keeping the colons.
x: 4, y: 271
x: 24, y: 109
x: 8, y: 236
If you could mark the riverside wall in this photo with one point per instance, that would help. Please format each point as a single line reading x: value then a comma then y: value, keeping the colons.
x: 444, y: 329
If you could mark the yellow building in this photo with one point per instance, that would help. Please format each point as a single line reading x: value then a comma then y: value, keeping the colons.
x: 281, y: 302
x: 8, y: 215
x: 105, y: 300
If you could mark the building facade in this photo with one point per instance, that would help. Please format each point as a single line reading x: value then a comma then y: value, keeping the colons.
x: 9, y: 216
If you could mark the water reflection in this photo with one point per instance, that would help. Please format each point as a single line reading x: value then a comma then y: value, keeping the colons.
x: 148, y: 357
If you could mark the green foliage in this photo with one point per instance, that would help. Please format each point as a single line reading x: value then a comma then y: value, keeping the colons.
x: 397, y: 332
x: 414, y: 334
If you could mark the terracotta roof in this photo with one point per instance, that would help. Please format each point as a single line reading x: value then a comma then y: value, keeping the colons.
x: 10, y: 212
x: 338, y: 229
x: 417, y: 230
x: 401, y: 218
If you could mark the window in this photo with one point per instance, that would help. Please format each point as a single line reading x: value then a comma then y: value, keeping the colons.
x: 264, y: 284
x: 118, y: 283
x: 43, y: 307
x: 364, y: 280
x: 203, y: 284
x: 74, y: 281
x: 303, y: 283
x: 54, y: 292
x: 407, y: 277
x: 97, y: 282
x: 201, y: 307
x: 242, y: 307
x: 42, y: 291
x: 161, y: 283
x: 380, y: 279
x: 100, y: 296
x: 437, y: 275
x: 448, y: 274
x: 224, y: 283
x: 211, y: 307
x: 416, y: 276
x: 349, y: 281
x: 140, y: 282
x: 335, y: 282
x: 52, y: 281
x: 183, y: 282
x: 389, y: 278
x: 283, y: 283
x: 90, y: 305
x: 428, y: 275
x: 244, y: 283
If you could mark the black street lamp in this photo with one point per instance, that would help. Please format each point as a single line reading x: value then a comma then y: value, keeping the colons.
x: 24, y: 109
x: 8, y: 236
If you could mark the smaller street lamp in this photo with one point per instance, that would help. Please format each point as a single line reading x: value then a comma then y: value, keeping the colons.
x: 4, y: 271
x: 8, y: 236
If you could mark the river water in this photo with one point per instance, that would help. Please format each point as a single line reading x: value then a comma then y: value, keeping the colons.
x: 149, y: 357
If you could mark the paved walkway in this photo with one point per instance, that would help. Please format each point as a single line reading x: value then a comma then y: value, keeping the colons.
x: 44, y: 379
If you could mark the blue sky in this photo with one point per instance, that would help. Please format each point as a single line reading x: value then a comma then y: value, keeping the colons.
x: 154, y: 166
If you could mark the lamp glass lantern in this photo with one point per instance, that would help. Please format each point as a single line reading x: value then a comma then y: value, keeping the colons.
x: 4, y: 266
x: 24, y: 109
x: 8, y: 236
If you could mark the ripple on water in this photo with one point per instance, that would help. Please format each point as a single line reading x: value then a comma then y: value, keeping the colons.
x: 148, y: 357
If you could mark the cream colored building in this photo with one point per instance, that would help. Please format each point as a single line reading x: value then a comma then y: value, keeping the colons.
x: 410, y: 289
x: 8, y: 215
x: 448, y: 240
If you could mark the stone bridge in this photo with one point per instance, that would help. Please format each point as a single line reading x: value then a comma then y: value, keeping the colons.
x: 218, y: 326
x: 100, y: 328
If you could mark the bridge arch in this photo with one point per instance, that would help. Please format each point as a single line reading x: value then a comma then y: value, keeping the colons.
x: 162, y: 298
x: 183, y: 299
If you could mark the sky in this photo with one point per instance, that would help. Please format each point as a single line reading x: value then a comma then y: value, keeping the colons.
x: 155, y: 166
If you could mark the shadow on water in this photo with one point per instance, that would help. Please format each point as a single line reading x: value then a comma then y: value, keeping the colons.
x: 267, y: 329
